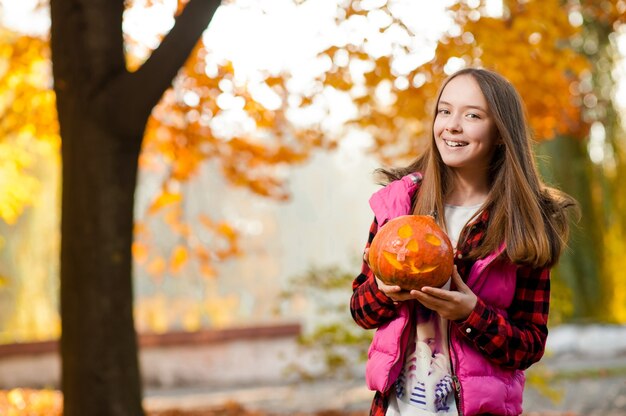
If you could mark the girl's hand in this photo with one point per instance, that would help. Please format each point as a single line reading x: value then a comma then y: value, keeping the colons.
x: 453, y: 305
x: 395, y: 293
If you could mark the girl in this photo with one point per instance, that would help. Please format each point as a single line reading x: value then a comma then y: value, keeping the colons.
x: 479, y: 180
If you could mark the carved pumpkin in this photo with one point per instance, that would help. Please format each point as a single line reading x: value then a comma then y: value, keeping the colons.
x: 411, y: 251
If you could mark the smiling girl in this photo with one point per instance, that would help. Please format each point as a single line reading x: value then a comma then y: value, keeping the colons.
x: 478, y: 178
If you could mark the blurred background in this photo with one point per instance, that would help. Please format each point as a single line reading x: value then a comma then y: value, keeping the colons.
x: 251, y: 205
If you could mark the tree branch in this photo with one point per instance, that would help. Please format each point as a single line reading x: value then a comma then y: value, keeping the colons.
x: 132, y: 96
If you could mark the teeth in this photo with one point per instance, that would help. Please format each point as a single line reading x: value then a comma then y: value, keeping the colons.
x: 455, y: 144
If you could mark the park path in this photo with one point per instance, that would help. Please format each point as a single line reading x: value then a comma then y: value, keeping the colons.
x: 583, y: 374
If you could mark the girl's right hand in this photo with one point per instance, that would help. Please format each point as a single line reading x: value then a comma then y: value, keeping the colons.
x: 394, y: 293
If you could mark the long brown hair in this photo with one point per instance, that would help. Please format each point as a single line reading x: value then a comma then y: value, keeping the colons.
x: 527, y: 215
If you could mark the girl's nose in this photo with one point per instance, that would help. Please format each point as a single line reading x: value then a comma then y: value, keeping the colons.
x: 453, y: 125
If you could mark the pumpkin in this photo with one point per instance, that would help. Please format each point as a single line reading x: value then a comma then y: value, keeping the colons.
x: 411, y: 251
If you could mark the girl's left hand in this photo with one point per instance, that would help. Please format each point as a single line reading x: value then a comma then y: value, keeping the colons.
x: 453, y: 305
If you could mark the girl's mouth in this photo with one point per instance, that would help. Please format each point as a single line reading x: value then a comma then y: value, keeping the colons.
x: 453, y: 143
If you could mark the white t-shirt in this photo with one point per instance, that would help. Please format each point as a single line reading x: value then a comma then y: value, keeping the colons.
x: 456, y: 218
x: 424, y: 387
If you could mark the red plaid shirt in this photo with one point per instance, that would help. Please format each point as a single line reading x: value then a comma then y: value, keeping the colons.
x: 514, y: 342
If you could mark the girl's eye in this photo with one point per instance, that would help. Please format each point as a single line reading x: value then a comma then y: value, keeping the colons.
x: 443, y: 111
x: 473, y: 115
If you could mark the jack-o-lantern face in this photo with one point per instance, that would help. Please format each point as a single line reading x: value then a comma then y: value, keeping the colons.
x: 411, y: 251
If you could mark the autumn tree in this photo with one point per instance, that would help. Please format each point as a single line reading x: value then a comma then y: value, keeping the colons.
x: 103, y: 109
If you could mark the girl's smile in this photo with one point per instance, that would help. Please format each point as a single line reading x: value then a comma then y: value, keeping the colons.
x: 454, y: 143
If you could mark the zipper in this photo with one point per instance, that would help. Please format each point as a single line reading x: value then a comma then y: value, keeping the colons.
x: 457, y: 389
x: 458, y: 393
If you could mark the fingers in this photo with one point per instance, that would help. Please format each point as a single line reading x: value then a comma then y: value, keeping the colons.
x: 366, y: 256
x: 387, y: 289
x: 433, y: 298
x: 457, y: 281
x: 435, y: 292
x: 395, y: 293
x: 453, y: 304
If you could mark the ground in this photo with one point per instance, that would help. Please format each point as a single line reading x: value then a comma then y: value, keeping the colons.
x: 234, y: 409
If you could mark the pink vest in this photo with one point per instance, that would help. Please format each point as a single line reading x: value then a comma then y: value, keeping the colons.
x: 485, y: 387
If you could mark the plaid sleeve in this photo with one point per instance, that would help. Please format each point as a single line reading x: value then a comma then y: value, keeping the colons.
x: 519, y: 340
x: 369, y: 306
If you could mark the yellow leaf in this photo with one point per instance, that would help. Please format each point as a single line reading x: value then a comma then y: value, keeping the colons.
x: 179, y: 258
x: 165, y: 199
x: 227, y: 231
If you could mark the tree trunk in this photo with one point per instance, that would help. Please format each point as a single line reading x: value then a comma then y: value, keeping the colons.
x: 102, y: 111
x: 98, y: 346
x: 581, y: 265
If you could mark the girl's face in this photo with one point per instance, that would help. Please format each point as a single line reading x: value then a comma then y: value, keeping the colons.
x: 465, y: 133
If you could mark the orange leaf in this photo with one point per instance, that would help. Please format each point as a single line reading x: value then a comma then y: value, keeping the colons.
x: 166, y: 198
x: 179, y: 258
x: 140, y: 252
x: 227, y: 231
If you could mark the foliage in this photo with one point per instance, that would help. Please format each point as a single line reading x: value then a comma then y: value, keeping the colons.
x: 561, y: 304
x: 603, y: 24
x: 27, y: 402
x: 616, y: 247
x: 29, y: 167
x: 27, y: 118
x: 244, y: 126
x: 332, y: 336
x: 534, y: 50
